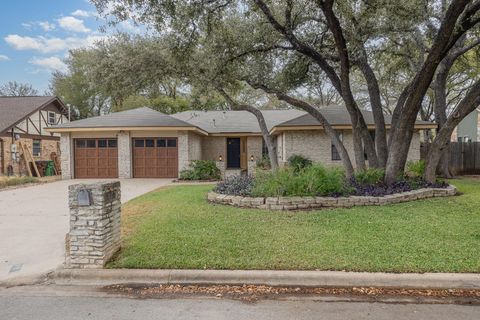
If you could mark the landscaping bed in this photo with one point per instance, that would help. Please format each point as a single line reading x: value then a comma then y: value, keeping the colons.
x: 304, y: 185
x: 305, y: 203
x: 176, y: 228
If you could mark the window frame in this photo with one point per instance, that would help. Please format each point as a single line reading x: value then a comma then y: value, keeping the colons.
x: 49, y: 113
x: 335, y: 155
x: 37, y: 150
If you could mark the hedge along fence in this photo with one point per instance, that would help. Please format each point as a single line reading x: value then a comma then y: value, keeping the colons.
x: 306, y: 203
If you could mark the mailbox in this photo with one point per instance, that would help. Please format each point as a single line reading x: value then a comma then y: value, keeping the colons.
x: 84, y: 198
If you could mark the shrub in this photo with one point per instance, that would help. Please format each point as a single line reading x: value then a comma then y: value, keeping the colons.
x: 370, y: 176
x: 298, y: 163
x: 415, y: 168
x: 314, y: 180
x: 236, y: 185
x: 263, y: 163
x: 201, y: 170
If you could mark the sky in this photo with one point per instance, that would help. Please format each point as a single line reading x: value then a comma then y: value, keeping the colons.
x: 35, y: 36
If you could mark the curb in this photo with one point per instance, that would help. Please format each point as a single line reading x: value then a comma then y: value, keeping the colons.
x: 266, y: 277
x: 26, y: 280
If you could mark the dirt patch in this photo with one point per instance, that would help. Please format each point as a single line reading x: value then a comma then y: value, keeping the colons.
x: 253, y: 293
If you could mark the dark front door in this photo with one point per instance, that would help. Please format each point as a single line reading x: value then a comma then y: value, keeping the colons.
x: 233, y: 153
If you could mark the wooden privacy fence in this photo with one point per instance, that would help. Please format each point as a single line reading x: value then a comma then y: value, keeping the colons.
x: 464, y: 157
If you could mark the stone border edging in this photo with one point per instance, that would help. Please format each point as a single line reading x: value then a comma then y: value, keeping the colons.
x: 268, y: 277
x: 306, y: 203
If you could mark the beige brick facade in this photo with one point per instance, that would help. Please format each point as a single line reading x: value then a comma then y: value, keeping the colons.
x: 313, y: 144
x: 316, y: 145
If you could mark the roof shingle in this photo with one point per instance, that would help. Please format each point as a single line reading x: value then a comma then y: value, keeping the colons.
x: 140, y: 117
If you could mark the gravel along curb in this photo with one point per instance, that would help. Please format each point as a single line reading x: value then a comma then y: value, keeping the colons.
x: 267, y: 277
x: 309, y: 203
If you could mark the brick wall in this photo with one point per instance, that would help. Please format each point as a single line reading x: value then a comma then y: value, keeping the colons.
x: 316, y: 145
x: 124, y: 155
x: 47, y: 146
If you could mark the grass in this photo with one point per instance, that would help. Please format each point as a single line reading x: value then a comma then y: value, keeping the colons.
x: 15, y: 181
x: 177, y: 228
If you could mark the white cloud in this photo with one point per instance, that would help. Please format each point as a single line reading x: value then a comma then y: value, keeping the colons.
x: 27, y: 25
x: 72, y: 24
x: 81, y: 13
x: 46, y: 26
x: 48, y: 45
x: 50, y: 63
x: 4, y: 57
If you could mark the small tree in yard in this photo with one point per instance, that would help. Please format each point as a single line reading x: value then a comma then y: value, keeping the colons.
x: 276, y: 46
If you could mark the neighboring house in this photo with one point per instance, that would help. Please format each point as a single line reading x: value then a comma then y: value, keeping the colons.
x: 468, y: 129
x: 24, y: 120
x: 143, y: 143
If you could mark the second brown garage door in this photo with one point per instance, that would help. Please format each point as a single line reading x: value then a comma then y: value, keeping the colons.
x: 155, y: 158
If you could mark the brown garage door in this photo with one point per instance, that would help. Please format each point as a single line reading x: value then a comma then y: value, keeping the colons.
x: 155, y: 158
x: 96, y: 158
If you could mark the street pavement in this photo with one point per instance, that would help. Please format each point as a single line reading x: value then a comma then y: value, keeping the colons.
x: 93, y: 308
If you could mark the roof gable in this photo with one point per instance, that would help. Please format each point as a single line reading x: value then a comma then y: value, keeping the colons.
x: 14, y: 109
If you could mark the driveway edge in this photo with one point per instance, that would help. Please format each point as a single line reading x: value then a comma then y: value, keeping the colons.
x: 267, y: 277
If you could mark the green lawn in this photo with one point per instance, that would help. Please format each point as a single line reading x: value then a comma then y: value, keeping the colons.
x: 176, y: 228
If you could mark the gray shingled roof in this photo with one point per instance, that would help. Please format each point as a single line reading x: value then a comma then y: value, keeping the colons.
x: 15, y: 109
x: 140, y: 117
x: 336, y: 115
x: 235, y: 121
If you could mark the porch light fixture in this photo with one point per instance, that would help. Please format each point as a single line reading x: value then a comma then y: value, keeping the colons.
x: 220, y: 158
x: 251, y: 157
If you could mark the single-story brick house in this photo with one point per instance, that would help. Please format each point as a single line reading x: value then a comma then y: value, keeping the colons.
x: 143, y: 143
x: 24, y: 121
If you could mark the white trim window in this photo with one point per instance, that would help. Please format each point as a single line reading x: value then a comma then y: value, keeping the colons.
x: 52, y: 117
x: 37, y: 148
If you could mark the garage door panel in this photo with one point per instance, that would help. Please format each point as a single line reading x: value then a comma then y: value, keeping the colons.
x: 152, y: 158
x: 96, y: 158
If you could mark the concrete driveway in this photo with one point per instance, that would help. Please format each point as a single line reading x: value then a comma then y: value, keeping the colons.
x: 34, y: 221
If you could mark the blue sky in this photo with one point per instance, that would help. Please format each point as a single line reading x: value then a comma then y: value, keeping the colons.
x: 35, y: 36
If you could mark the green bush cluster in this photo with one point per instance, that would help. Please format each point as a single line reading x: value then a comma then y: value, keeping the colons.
x: 415, y: 169
x: 201, y: 170
x: 298, y: 163
x: 370, y: 176
x: 263, y: 163
x: 312, y: 180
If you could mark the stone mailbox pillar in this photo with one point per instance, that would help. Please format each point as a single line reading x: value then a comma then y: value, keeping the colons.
x: 95, y: 226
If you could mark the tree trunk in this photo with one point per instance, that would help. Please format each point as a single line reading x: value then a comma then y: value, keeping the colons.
x: 377, y: 110
x: 440, y: 109
x: 468, y: 104
x: 403, y: 131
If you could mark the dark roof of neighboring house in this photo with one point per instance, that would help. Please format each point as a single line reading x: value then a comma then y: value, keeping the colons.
x: 235, y: 121
x: 15, y: 109
x: 140, y: 117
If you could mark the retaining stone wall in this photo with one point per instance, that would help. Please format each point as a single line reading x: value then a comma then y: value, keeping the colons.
x: 306, y: 203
